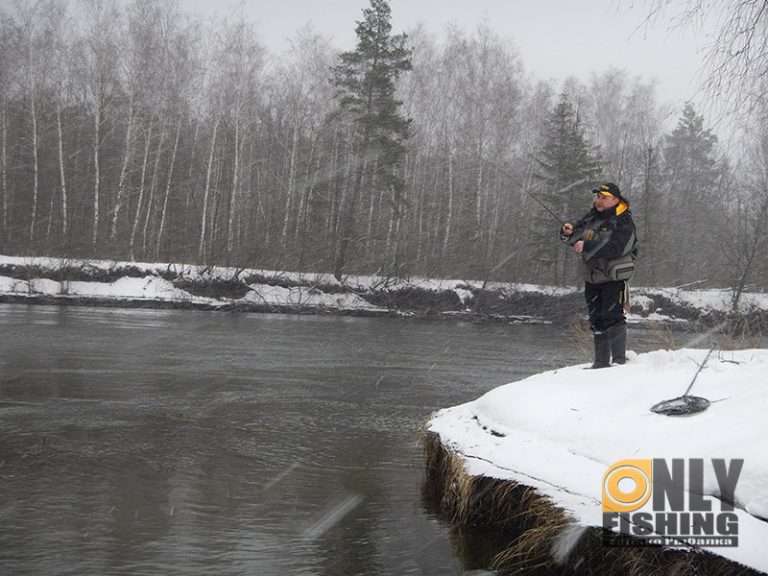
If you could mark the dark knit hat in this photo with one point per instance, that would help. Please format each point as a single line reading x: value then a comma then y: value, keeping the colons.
x: 611, y: 188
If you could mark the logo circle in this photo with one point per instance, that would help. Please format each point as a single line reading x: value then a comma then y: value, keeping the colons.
x: 633, y: 499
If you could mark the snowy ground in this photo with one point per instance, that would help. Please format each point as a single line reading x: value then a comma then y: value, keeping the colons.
x: 150, y: 282
x: 559, y: 431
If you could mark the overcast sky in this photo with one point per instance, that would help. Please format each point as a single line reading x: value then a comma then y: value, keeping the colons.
x: 555, y: 38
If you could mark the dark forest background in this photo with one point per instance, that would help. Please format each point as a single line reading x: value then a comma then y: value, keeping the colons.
x: 131, y: 131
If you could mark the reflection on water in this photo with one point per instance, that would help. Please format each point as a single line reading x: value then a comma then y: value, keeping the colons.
x: 166, y: 442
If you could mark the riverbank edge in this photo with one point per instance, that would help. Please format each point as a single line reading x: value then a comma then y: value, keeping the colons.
x: 212, y: 289
x: 248, y: 307
x: 533, y: 526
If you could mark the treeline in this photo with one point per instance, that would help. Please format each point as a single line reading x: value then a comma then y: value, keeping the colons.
x: 131, y: 131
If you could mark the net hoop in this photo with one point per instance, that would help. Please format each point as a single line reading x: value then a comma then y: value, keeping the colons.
x: 681, y: 406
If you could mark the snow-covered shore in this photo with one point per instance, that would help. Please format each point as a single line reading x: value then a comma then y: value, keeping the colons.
x: 559, y: 431
x: 107, y: 282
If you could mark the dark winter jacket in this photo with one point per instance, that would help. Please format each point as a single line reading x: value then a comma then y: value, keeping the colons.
x: 607, y: 236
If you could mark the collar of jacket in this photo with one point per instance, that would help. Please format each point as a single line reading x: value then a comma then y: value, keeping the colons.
x: 604, y: 215
x: 617, y: 210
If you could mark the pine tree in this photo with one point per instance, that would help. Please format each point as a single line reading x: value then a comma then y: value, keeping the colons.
x: 567, y: 164
x: 692, y: 202
x: 690, y: 154
x: 365, y: 80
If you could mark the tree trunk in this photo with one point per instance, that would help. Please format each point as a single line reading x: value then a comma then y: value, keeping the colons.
x: 147, y: 142
x: 234, y: 194
x: 201, y: 245
x: 167, y: 190
x: 123, y: 173
x: 310, y: 180
x: 330, y: 228
x: 648, y: 216
x: 49, y: 225
x: 153, y: 187
x: 495, y: 223
x: 347, y: 226
x: 303, y: 220
x: 62, y: 176
x: 96, y: 170
x: 398, y: 219
x: 4, y: 168
x: 340, y: 192
x: 216, y: 201
x: 186, y: 237
x: 371, y: 208
x: 479, y: 200
x: 390, y: 232
x: 449, y: 217
x: 35, y: 163
x: 291, y: 183
x: 257, y: 190
x: 751, y: 253
x: 251, y: 202
x: 420, y: 240
x: 369, y: 227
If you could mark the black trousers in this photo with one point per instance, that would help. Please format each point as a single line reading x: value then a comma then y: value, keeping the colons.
x: 605, y: 304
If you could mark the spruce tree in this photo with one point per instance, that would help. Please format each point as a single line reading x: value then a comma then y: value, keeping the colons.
x: 690, y: 155
x: 365, y: 79
x: 692, y: 205
x: 567, y: 165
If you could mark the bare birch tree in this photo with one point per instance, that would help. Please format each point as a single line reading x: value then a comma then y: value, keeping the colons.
x: 100, y: 61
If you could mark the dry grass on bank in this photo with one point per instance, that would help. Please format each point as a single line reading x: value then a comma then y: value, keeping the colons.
x: 538, y: 538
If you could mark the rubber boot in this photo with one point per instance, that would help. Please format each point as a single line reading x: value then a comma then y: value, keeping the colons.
x: 618, y: 340
x: 602, y: 350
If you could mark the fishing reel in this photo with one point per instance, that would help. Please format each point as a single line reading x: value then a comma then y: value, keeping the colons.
x: 577, y: 235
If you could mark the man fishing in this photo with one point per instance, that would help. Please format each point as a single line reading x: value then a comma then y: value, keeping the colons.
x: 607, y: 242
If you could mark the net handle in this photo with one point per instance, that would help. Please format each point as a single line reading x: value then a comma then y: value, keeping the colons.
x: 701, y: 367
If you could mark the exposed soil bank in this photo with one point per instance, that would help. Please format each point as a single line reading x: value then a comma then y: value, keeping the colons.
x: 535, y: 537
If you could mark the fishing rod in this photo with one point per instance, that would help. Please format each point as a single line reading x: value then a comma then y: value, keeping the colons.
x: 557, y: 192
x: 538, y: 201
x: 546, y: 208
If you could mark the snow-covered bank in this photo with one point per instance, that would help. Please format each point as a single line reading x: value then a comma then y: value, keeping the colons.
x: 558, y: 432
x: 167, y: 284
x: 130, y: 283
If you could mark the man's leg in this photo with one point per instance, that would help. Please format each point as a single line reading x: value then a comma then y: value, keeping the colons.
x: 614, y: 296
x: 618, y: 340
x: 596, y: 307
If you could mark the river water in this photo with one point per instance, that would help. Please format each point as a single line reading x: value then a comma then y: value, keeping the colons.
x: 195, y: 443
